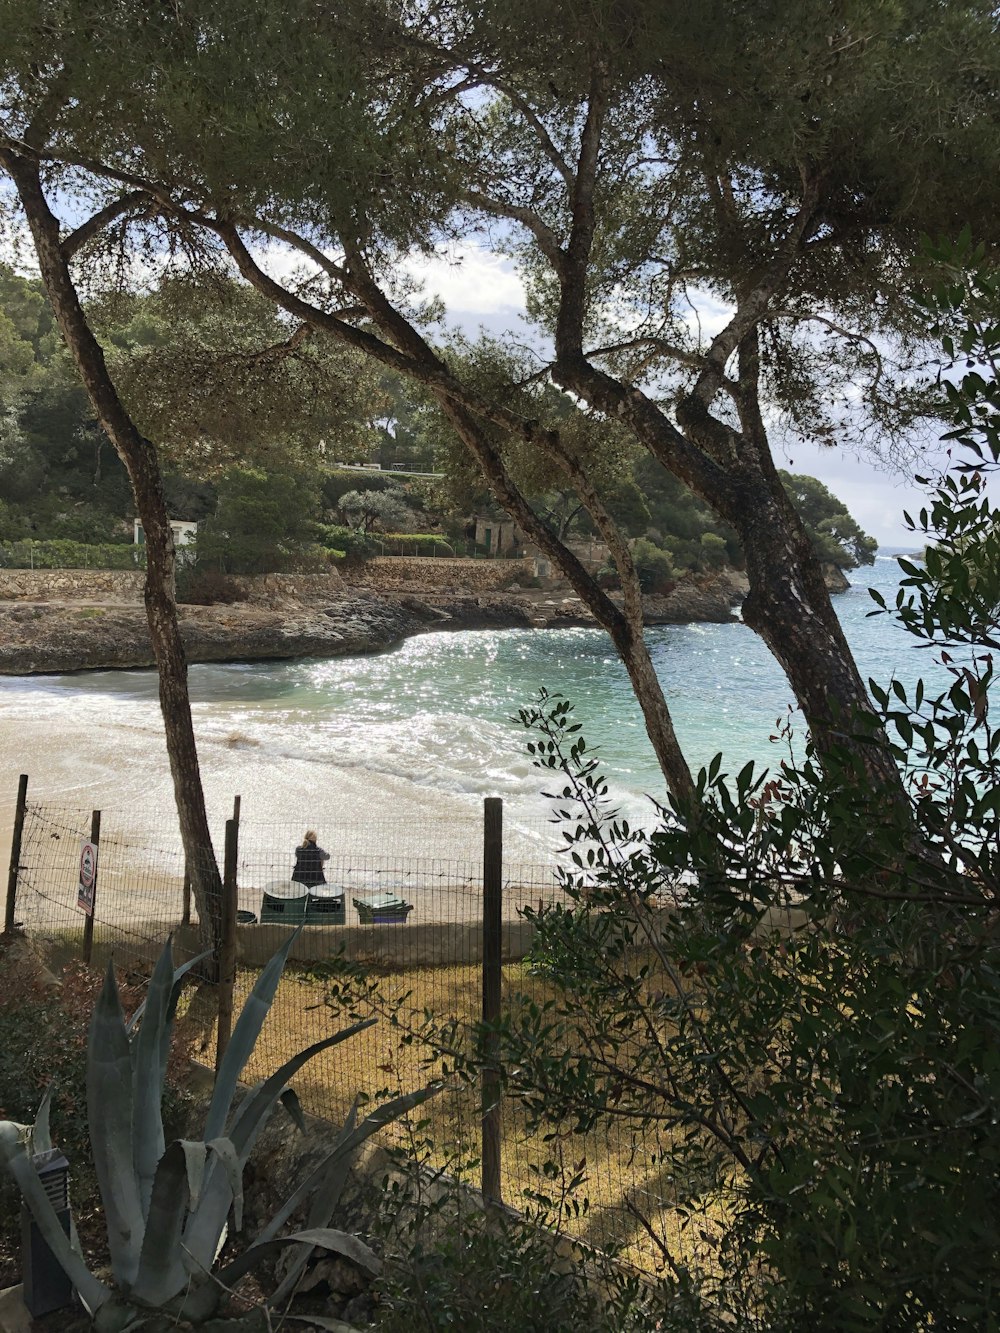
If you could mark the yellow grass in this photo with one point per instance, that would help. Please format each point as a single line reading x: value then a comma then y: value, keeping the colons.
x: 378, y: 1060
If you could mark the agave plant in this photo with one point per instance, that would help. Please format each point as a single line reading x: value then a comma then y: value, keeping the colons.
x: 168, y: 1206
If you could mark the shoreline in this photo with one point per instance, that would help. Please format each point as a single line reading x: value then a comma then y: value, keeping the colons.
x: 67, y: 634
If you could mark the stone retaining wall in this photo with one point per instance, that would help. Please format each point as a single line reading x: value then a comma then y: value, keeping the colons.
x: 126, y: 585
x: 289, y: 587
x: 394, y: 572
x: 42, y: 585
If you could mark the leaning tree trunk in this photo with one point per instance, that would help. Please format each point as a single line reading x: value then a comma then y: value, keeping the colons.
x: 788, y: 604
x: 139, y: 457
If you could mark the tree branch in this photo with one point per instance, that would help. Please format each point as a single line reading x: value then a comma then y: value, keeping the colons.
x: 101, y: 219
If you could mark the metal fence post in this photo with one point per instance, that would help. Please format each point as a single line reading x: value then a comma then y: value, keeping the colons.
x: 15, y: 854
x: 227, y: 948
x: 88, y: 921
x: 492, y: 955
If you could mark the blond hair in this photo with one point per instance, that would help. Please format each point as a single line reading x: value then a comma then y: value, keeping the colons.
x: 310, y: 835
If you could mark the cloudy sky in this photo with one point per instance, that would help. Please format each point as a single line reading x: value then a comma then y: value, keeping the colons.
x: 480, y: 290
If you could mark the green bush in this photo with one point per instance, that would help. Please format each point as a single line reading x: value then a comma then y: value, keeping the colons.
x: 416, y: 543
x: 71, y: 555
x: 653, y: 565
x: 487, y: 1273
x: 348, y: 544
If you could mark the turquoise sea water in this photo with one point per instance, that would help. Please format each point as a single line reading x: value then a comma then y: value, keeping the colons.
x: 432, y: 719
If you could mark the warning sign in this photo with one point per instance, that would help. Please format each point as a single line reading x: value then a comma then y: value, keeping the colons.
x: 88, y: 877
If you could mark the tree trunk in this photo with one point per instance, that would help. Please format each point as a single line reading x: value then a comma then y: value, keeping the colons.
x: 139, y: 456
x: 789, y: 604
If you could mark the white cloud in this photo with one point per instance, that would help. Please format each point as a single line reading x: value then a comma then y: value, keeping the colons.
x: 470, y: 281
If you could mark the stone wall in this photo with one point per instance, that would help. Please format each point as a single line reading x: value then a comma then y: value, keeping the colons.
x: 412, y: 573
x: 45, y: 585
x: 290, y: 587
x: 125, y: 585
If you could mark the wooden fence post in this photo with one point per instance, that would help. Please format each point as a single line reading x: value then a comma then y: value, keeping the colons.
x: 227, y: 949
x: 492, y: 954
x: 15, y: 854
x: 88, y: 920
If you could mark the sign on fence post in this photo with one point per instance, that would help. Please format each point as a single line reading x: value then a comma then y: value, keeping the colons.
x: 87, y: 892
x: 88, y: 877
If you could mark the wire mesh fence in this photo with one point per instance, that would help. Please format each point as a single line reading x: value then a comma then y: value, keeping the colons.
x: 393, y: 925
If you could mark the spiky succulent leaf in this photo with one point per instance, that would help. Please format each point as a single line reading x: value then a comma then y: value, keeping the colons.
x: 147, y: 1078
x: 93, y: 1292
x: 203, y: 1231
x: 226, y: 1154
x: 163, y: 1273
x: 244, y: 1039
x: 255, y: 1108
x: 179, y: 975
x: 348, y: 1141
x: 289, y: 1099
x: 41, y: 1136
x: 325, y: 1198
x: 109, y: 1117
x: 323, y: 1238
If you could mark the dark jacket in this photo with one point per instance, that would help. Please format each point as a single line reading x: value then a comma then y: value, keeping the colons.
x: 309, y: 865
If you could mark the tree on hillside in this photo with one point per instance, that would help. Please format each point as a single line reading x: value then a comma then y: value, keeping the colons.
x: 263, y: 521
x: 220, y: 376
x: 363, y: 509
x: 836, y: 536
x: 779, y: 172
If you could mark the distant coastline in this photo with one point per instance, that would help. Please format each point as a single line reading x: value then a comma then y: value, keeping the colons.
x: 63, y: 625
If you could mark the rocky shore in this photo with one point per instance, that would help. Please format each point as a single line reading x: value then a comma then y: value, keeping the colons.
x: 65, y: 629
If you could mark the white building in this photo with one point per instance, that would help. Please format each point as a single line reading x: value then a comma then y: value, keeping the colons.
x: 184, y: 533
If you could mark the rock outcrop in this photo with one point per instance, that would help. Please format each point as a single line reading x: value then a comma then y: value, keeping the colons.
x: 287, y: 617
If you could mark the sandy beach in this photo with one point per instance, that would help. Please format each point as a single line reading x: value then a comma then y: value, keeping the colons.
x: 89, y: 750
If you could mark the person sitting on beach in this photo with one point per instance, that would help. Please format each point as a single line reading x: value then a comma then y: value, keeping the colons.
x: 309, y: 862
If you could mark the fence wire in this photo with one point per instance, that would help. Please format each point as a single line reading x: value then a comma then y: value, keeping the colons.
x: 354, y: 957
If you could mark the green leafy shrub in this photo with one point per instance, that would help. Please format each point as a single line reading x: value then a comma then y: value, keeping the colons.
x: 417, y: 543
x: 485, y: 1273
x: 653, y: 565
x: 71, y: 555
x: 349, y: 544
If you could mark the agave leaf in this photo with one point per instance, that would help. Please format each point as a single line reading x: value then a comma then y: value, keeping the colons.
x: 93, y: 1293
x: 325, y: 1198
x: 257, y: 1105
x: 321, y: 1321
x: 175, y: 994
x: 195, y: 1157
x: 348, y: 1141
x: 162, y: 1270
x: 147, y: 1079
x: 289, y: 1099
x: 337, y: 1242
x: 321, y: 1176
x: 244, y: 1039
x: 41, y: 1137
x: 205, y: 1226
x: 179, y: 974
x: 226, y: 1153
x: 109, y: 1117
